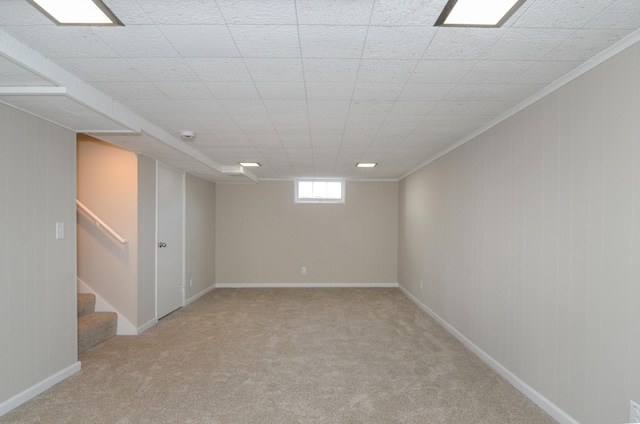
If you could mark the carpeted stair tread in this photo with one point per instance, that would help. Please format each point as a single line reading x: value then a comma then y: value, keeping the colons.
x: 86, y: 303
x: 95, y: 328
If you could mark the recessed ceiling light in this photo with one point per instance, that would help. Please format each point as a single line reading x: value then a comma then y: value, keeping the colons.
x: 250, y: 164
x: 77, y: 12
x: 366, y: 164
x: 483, y: 13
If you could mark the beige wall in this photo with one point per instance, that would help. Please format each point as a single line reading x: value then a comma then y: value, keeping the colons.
x: 527, y: 241
x: 200, y: 202
x: 107, y: 184
x: 146, y: 277
x: 37, y: 271
x: 262, y: 236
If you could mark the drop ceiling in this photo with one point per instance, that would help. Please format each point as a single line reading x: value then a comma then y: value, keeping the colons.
x: 308, y: 88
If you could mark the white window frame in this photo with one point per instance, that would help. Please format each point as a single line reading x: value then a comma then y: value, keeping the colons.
x: 320, y: 199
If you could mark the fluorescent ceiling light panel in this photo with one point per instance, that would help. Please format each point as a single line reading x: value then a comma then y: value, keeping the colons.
x: 77, y: 12
x: 483, y: 13
x: 250, y: 164
x: 366, y: 165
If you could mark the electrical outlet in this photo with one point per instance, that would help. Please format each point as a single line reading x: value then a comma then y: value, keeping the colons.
x: 634, y: 412
x: 420, y: 285
x: 303, y: 270
x: 190, y: 282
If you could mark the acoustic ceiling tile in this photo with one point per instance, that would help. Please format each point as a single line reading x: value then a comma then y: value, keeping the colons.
x: 385, y: 42
x: 281, y: 90
x: 527, y: 43
x: 412, y: 107
x: 463, y: 92
x: 622, y: 14
x: 330, y: 70
x: 275, y: 107
x: 328, y: 106
x: 129, y: 12
x: 212, y: 40
x: 334, y: 12
x: 496, y: 71
x: 320, y: 41
x: 163, y: 69
x: 243, y: 106
x: 377, y: 91
x: 384, y: 70
x: 371, y: 107
x: 184, y: 12
x: 150, y: 41
x: 178, y: 90
x: 286, y: 70
x: 260, y: 41
x: 330, y: 90
x: 441, y: 71
x: 405, y: 12
x: 233, y: 90
x: 208, y: 106
x: 544, y: 14
x: 219, y: 69
x: 585, y: 43
x: 247, y: 12
x: 425, y: 92
x: 454, y: 43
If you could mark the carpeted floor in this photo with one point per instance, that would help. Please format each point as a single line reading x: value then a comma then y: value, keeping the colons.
x: 285, y: 356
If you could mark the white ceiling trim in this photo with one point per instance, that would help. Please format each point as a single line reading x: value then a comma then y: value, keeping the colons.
x: 601, y: 57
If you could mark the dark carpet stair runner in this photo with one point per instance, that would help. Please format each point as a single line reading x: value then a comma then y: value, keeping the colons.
x: 93, y: 327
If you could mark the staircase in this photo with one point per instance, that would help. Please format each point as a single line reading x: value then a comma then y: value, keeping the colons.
x: 93, y: 327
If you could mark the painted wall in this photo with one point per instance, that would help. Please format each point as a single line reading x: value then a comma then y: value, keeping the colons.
x: 146, y: 277
x: 262, y: 236
x: 37, y: 271
x: 107, y: 184
x: 527, y: 242
x: 200, y: 235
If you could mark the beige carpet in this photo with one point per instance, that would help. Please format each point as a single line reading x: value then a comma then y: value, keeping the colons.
x: 285, y: 356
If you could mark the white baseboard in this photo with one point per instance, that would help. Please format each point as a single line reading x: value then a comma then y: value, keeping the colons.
x: 125, y: 327
x: 199, y: 295
x: 535, y: 396
x: 147, y: 325
x: 303, y: 285
x: 38, y: 388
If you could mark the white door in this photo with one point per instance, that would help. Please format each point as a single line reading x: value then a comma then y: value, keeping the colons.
x: 169, y: 276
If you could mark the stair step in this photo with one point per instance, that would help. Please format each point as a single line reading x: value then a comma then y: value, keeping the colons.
x: 95, y: 328
x: 86, y: 303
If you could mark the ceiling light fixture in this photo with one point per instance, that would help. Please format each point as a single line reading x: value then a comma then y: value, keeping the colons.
x: 250, y: 164
x: 77, y: 12
x: 366, y: 164
x: 480, y: 13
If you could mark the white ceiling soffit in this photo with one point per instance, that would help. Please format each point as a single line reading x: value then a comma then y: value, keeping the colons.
x: 65, y: 100
x: 307, y: 88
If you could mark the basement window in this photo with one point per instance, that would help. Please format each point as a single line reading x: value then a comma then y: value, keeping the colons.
x: 319, y: 191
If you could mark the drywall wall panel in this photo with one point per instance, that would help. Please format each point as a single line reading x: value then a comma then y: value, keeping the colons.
x: 37, y: 270
x: 263, y: 236
x: 146, y: 283
x: 525, y: 240
x: 200, y: 233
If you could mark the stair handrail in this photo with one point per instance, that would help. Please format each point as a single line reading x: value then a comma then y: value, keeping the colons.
x: 100, y: 223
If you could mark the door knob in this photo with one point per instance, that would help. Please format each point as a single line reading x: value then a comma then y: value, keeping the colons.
x: 161, y: 244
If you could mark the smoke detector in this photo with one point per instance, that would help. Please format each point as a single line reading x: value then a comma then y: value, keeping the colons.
x: 188, y: 135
